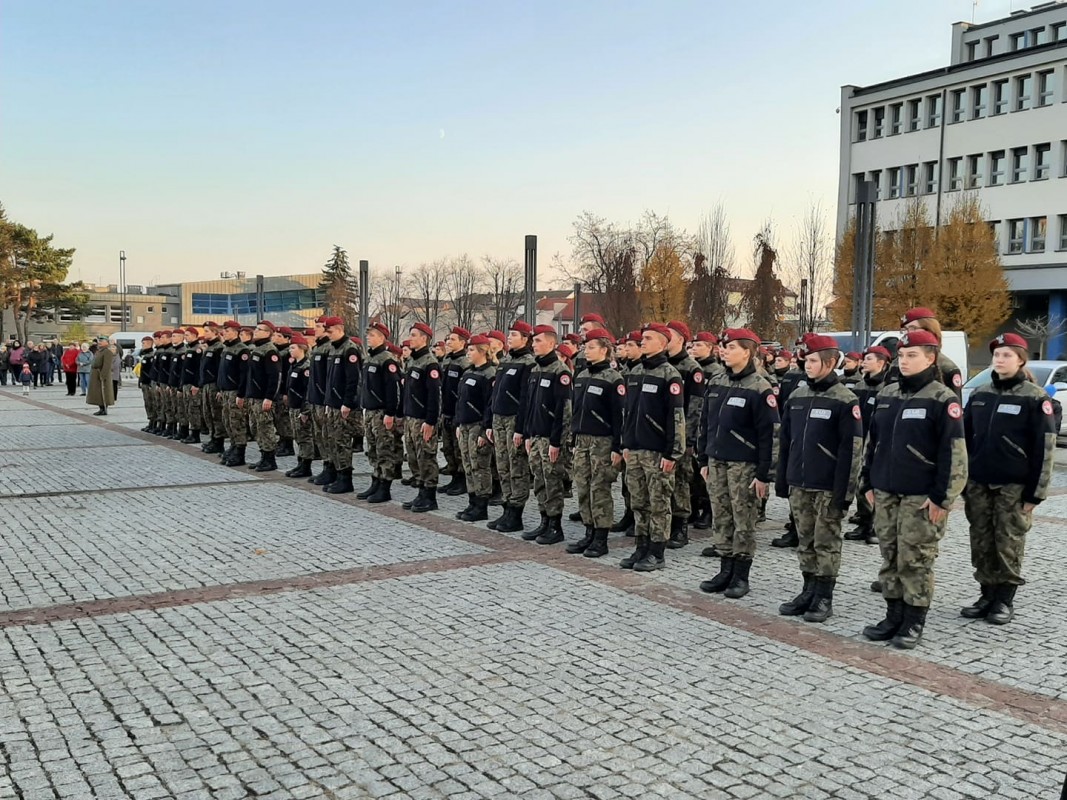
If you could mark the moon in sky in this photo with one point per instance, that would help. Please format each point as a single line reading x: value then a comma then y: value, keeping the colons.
x: 442, y: 133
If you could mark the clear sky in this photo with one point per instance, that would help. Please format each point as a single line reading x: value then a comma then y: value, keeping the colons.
x: 253, y: 135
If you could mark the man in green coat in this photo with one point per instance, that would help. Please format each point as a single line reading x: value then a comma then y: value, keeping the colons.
x: 101, y: 389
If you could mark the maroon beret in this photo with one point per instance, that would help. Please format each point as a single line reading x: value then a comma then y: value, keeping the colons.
x: 657, y: 327
x: 547, y: 329
x: 739, y: 335
x: 598, y: 333
x: 330, y: 322
x: 284, y: 330
x: 1008, y: 340
x: 918, y: 339
x: 916, y: 314
x: 522, y: 327
x: 817, y: 343
x: 680, y: 328
x: 852, y: 355
x: 381, y: 328
x: 462, y: 333
x: 356, y: 340
x: 878, y: 350
x: 499, y: 336
x: 422, y: 327
x: 591, y: 318
x: 479, y: 339
x: 299, y: 340
x: 232, y: 324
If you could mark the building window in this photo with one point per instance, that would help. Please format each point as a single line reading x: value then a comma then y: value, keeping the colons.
x: 979, y: 100
x: 914, y: 114
x: 894, y: 183
x: 1063, y: 231
x: 211, y: 304
x: 151, y: 309
x: 861, y: 126
x: 875, y: 177
x: 996, y: 168
x: 911, y: 180
x: 955, y: 174
x: 974, y: 171
x: 1000, y: 97
x: 1019, y: 158
x: 930, y: 177
x: 896, y: 118
x: 857, y: 182
x: 1044, y: 88
x: 1042, y: 161
x: 933, y: 111
x: 879, y: 122
x: 990, y: 45
x: 1038, y: 36
x: 1016, y: 235
x: 1024, y: 84
x: 1063, y: 159
x: 1017, y: 41
x: 971, y: 49
x: 958, y: 110
x: 994, y: 230
x: 1038, y: 228
x: 1059, y: 32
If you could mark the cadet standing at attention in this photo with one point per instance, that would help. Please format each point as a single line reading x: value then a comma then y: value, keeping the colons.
x: 422, y: 409
x: 380, y: 399
x: 296, y: 406
x: 692, y: 403
x: 261, y: 392
x: 453, y: 364
x: 508, y: 404
x: 232, y: 378
x: 342, y: 404
x: 319, y: 357
x: 473, y: 421
x: 210, y: 406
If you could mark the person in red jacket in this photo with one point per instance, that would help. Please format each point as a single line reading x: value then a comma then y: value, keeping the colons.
x: 69, y: 362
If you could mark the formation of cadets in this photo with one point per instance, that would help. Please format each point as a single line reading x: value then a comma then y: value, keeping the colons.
x: 701, y: 427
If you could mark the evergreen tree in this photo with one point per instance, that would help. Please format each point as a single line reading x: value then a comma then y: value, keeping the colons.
x: 341, y: 298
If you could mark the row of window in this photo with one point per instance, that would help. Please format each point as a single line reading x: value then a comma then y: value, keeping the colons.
x: 273, y: 302
x: 989, y: 99
x: 989, y: 46
x: 976, y: 171
x: 1030, y: 234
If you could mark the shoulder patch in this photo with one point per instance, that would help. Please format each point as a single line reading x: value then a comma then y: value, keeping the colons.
x: 954, y: 410
x: 676, y: 388
x: 392, y: 366
x: 244, y: 356
x: 698, y: 377
x: 307, y: 373
x: 957, y: 380
x: 434, y: 374
x: 856, y: 412
x: 565, y: 379
x: 1047, y: 408
x: 772, y: 401
x: 775, y: 389
x: 353, y: 358
x: 274, y: 357
x: 621, y: 389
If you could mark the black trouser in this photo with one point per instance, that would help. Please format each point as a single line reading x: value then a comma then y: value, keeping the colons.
x: 115, y: 384
x: 16, y: 370
x: 3, y: 375
x: 37, y: 377
x: 72, y: 382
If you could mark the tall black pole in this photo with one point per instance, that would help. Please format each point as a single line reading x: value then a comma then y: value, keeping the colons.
x: 260, y: 299
x: 863, y: 265
x: 122, y: 288
x: 364, y: 296
x: 577, y: 306
x: 529, y: 311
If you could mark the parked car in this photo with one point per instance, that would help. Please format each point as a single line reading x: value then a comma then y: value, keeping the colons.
x: 1046, y: 373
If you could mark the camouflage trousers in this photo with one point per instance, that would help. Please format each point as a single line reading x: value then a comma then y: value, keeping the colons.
x: 282, y: 420
x: 512, y: 463
x: 547, y: 477
x: 681, y: 501
x: 909, y: 544
x: 734, y: 507
x: 211, y: 412
x: 650, y: 494
x: 593, y: 475
x: 819, y: 531
x: 263, y: 429
x: 450, y: 446
x: 318, y: 430
x: 475, y: 458
x: 191, y: 402
x: 300, y: 428
x: 422, y: 455
x: 170, y: 405
x: 385, y: 448
x: 698, y: 490
x: 338, y: 434
x: 998, y: 532
x: 236, y: 419
x: 149, y: 397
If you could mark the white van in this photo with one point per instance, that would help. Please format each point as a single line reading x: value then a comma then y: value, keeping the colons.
x: 130, y: 341
x: 953, y: 345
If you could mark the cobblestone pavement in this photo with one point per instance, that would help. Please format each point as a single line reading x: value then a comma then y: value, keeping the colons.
x: 170, y: 628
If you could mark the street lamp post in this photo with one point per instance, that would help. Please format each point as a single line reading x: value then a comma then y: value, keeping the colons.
x: 122, y: 289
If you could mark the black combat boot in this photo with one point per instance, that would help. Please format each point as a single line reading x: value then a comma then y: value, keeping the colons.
x: 226, y: 453
x: 503, y: 516
x: 568, y: 487
x: 625, y: 523
x: 554, y: 534
x: 382, y: 494
x: 327, y: 476
x: 267, y: 462
x: 799, y: 604
x: 599, y: 546
x: 429, y: 501
x: 480, y: 510
x: 822, y: 605
x: 148, y: 428
x: 722, y: 580
x: 174, y: 431
x: 408, y: 481
x: 163, y: 429
x: 787, y: 539
x: 530, y: 535
x: 910, y: 632
x: 679, y: 533
x: 653, y: 560
x: 301, y: 470
x: 214, y: 445
x: 860, y: 533
x: 193, y: 437
x: 887, y: 628
x: 366, y: 493
x: 183, y: 433
x: 513, y: 523
x: 876, y: 586
x: 343, y: 484
x: 980, y: 607
x: 711, y: 551
x: 702, y: 515
x: 237, y: 459
x: 738, y: 587
x: 1002, y: 611
x: 582, y: 544
x: 462, y: 515
x: 643, y: 545
x: 285, y: 448
x: 457, y: 486
x: 497, y: 497
x: 855, y: 519
x: 407, y: 505
x: 256, y: 465
x: 575, y: 516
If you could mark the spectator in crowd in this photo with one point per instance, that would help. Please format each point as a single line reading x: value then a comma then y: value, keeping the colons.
x: 16, y: 358
x: 35, y: 358
x: 85, y: 362
x: 116, y: 368
x: 48, y: 365
x: 5, y: 354
x: 69, y: 362
x: 26, y: 378
x: 101, y: 393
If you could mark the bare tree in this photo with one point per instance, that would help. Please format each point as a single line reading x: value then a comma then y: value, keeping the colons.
x: 809, y: 265
x: 427, y: 287
x: 504, y: 279
x: 461, y: 287
x: 1041, y: 329
x: 386, y: 302
x: 713, y: 266
x: 764, y: 300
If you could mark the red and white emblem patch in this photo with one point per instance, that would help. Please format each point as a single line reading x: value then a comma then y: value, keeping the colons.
x: 565, y: 379
x: 957, y: 380
x: 775, y: 390
x: 274, y: 358
x: 353, y: 358
x: 621, y: 389
x: 307, y: 373
x: 1047, y: 408
x: 856, y: 412
x: 676, y: 388
x: 244, y: 356
x: 772, y: 401
x: 698, y: 377
x: 954, y: 410
x: 434, y: 374
x: 392, y: 367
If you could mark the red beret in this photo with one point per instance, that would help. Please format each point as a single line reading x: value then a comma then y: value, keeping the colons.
x: 852, y: 355
x: 706, y: 336
x: 573, y: 337
x: 918, y: 339
x: 157, y: 334
x: 591, y: 318
x: 392, y: 348
x: 878, y: 350
x: 783, y: 353
x: 247, y: 328
x: 916, y: 314
x: 210, y: 325
x: 329, y: 322
x: 406, y: 343
x: 763, y: 351
x: 462, y: 333
x: 499, y: 336
x: 634, y: 336
x: 285, y: 330
x: 356, y: 340
x: 816, y: 344
x: 657, y: 327
x: 598, y: 333
x: 439, y: 344
x: 309, y: 331
x: 178, y: 332
x: 479, y: 339
x: 381, y: 328
x: 193, y: 331
x: 232, y: 324
x: 422, y: 327
x: 321, y: 320
x: 567, y: 350
x: 163, y: 334
x: 522, y: 327
x: 1008, y: 340
x: 548, y: 329
x: 680, y: 328
x: 299, y: 340
x: 267, y: 324
x: 739, y: 335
